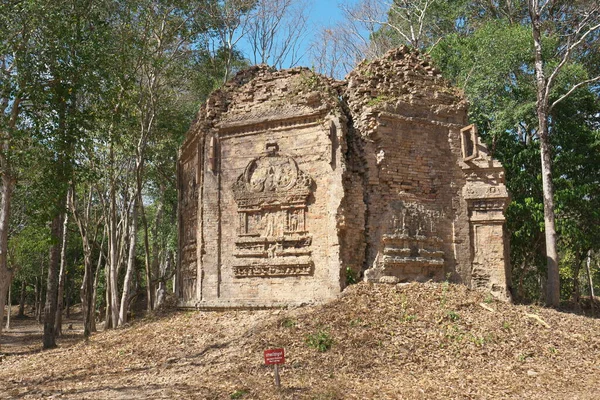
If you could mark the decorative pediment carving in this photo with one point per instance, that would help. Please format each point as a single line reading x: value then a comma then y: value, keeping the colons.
x: 271, y: 180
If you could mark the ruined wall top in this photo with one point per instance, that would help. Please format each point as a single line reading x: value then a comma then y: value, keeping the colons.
x: 261, y: 93
x: 404, y: 81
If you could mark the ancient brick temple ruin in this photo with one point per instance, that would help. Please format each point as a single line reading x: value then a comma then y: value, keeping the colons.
x: 288, y: 180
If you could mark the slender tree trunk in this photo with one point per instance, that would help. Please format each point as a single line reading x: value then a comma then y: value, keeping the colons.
x: 113, y: 276
x: 95, y: 293
x: 108, y: 311
x: 5, y: 272
x: 61, y: 277
x: 149, y: 285
x: 156, y: 253
x: 40, y: 307
x: 9, y: 313
x: 86, y: 293
x: 139, y: 170
x: 86, y: 290
x: 22, y: 299
x: 576, y: 295
x: 36, y: 301
x: 125, y: 297
x: 49, y: 338
x: 589, y: 275
x: 162, y: 285
x: 553, y: 281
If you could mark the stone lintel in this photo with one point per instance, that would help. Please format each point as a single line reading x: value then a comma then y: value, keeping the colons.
x: 260, y: 124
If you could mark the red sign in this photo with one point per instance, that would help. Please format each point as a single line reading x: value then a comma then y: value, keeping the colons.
x: 274, y: 356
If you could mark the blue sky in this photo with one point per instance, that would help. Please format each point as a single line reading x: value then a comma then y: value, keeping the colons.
x: 322, y: 13
x: 326, y: 12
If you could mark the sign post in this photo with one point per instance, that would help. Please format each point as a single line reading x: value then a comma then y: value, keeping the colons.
x: 275, y: 357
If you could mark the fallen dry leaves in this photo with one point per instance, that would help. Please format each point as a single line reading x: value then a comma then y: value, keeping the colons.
x: 416, y: 341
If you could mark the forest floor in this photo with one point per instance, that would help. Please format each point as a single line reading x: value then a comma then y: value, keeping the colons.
x: 415, y: 341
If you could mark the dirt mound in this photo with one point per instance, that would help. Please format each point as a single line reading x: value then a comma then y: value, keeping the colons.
x: 417, y: 341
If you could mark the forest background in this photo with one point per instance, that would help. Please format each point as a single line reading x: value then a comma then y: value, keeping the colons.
x: 96, y: 96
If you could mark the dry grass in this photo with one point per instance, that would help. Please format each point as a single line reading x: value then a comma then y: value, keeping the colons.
x: 418, y: 341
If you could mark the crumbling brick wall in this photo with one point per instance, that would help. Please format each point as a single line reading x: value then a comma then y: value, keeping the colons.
x: 289, y: 182
x: 277, y: 223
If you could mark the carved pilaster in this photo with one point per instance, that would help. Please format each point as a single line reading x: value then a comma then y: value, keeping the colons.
x: 487, y: 199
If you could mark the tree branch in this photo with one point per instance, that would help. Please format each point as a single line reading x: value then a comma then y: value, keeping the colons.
x: 575, y: 87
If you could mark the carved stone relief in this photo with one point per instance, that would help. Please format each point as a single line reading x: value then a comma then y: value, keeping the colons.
x: 411, y: 246
x: 271, y: 197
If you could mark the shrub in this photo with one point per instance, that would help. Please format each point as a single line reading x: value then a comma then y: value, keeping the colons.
x: 322, y: 341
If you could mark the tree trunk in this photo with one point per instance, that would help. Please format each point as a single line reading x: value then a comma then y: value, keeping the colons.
x: 95, y: 294
x: 108, y: 311
x: 5, y: 273
x: 86, y: 294
x: 22, y: 299
x: 61, y: 277
x: 8, y: 184
x: 130, y: 266
x: 157, y: 270
x: 149, y: 285
x: 8, y: 314
x: 36, y: 301
x: 113, y: 261
x: 49, y: 338
x: 161, y: 291
x: 553, y: 281
x: 576, y: 295
x: 589, y: 275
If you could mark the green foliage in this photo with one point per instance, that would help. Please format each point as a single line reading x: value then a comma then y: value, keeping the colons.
x: 409, y: 318
x: 493, y: 62
x: 524, y: 357
x: 453, y: 316
x: 351, y: 277
x: 311, y: 81
x: 238, y: 394
x: 288, y: 323
x: 321, y: 340
x: 103, y: 84
x: 488, y: 298
x: 444, y: 297
x: 378, y: 100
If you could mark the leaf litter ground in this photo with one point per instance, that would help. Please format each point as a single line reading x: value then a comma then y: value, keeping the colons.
x: 415, y: 341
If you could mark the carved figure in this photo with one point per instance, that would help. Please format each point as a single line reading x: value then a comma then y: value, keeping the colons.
x: 271, y: 250
x: 270, y: 225
x: 293, y: 222
x: 395, y: 223
x: 404, y: 230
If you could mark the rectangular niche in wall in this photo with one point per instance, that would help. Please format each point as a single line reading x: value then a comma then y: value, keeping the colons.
x: 272, y: 240
x: 468, y: 136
